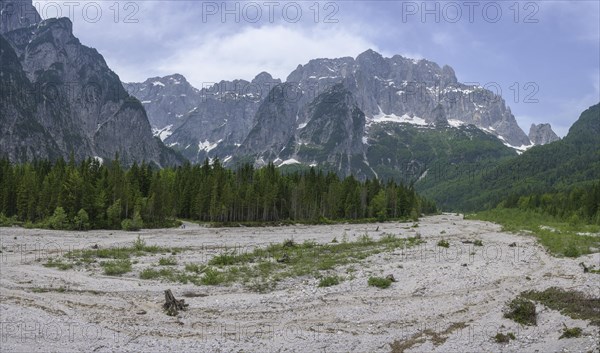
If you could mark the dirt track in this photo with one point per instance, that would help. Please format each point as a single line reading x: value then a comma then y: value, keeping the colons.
x: 436, y: 290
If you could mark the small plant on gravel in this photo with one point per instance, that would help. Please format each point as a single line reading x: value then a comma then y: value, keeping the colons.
x: 443, y: 243
x: 59, y: 264
x: 521, y: 311
x: 116, y: 267
x: 502, y: 338
x: 380, y: 282
x: 365, y: 239
x: 443, y: 232
x: 478, y: 242
x: 212, y: 277
x: 289, y: 243
x: 329, y: 281
x: 195, y: 268
x: 223, y: 260
x: 139, y: 244
x: 334, y: 240
x: 572, y: 332
x: 167, y: 261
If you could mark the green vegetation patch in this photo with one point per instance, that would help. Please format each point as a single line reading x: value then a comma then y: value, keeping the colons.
x: 380, y: 282
x: 504, y: 338
x: 559, y: 237
x: 574, y: 304
x: 262, y: 268
x: 329, y: 281
x: 572, y: 332
x: 521, y: 311
x: 116, y: 267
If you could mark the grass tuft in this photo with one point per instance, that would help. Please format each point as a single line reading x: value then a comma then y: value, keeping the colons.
x: 380, y: 282
x: 329, y: 281
x: 116, y: 267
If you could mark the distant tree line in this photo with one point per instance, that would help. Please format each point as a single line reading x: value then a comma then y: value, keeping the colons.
x: 580, y: 204
x: 95, y: 195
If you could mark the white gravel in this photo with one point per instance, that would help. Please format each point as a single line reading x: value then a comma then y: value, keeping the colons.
x: 435, y: 288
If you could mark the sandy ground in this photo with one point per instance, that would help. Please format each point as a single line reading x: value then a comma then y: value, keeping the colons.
x: 435, y: 289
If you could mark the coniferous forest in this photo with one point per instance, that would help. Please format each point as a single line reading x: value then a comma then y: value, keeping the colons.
x: 95, y: 195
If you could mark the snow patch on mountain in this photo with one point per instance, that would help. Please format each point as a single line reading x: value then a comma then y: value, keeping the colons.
x: 289, y: 161
x: 163, y: 133
x: 208, y: 146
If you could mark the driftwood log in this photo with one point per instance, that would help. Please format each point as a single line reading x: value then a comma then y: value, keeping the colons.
x: 172, y: 305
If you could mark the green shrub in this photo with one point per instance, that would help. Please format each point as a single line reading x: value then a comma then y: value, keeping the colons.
x: 502, y: 338
x: 478, y: 242
x: 380, y: 282
x: 521, y: 311
x: 443, y: 243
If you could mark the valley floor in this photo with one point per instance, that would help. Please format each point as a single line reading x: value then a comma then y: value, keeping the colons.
x: 444, y: 300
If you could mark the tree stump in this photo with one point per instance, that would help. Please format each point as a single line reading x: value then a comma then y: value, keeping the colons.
x: 172, y: 305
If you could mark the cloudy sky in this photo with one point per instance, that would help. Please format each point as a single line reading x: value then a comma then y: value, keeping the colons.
x: 542, y: 56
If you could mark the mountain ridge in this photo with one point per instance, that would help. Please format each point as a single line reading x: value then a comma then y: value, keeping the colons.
x: 392, y: 89
x: 76, y: 99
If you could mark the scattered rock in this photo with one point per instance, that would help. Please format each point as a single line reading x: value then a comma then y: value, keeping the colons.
x: 585, y: 268
x: 194, y: 295
x: 512, y: 245
x: 464, y: 265
x: 390, y: 277
x: 95, y: 246
x: 141, y: 312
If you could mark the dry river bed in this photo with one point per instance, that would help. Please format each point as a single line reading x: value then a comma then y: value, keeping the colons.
x: 444, y: 300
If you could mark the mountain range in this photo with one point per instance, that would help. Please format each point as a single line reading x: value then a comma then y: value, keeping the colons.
x: 348, y: 115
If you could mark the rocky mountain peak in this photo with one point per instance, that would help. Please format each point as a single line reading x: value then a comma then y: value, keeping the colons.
x: 80, y: 103
x: 542, y: 134
x: 17, y: 14
x: 262, y: 77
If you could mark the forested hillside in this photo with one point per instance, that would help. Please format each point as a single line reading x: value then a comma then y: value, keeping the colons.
x: 556, y: 167
x: 104, y: 195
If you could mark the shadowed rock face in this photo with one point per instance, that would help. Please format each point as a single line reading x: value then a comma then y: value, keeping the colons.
x: 17, y: 14
x: 542, y: 134
x: 76, y: 100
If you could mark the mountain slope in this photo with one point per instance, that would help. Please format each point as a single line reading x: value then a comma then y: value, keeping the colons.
x: 166, y: 99
x: 558, y: 165
x: 21, y: 134
x: 80, y: 103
